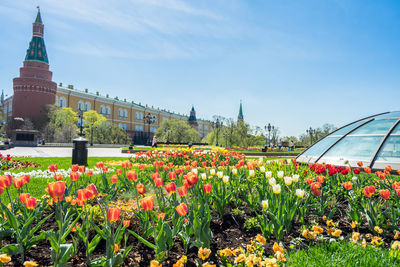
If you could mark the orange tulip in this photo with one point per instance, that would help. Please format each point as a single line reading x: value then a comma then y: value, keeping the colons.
x: 367, y: 169
x: 161, y: 216
x: 369, y: 190
x: 113, y: 214
x: 131, y: 175
x: 114, y: 179
x: 93, y: 189
x: 18, y: 182
x: 99, y: 165
x: 53, y: 167
x: 56, y: 190
x: 126, y: 223
x: 116, y: 247
x: 141, y: 189
x: 360, y: 164
x: 75, y: 167
x: 388, y: 168
x: 89, y: 173
x: 82, y: 195
x: 182, y: 191
x: 23, y: 197
x: 207, y: 188
x: 385, y: 194
x: 147, y: 203
x: 58, y: 176
x: 74, y: 175
x: 170, y: 187
x: 347, y: 185
x: 82, y: 169
x: 30, y: 203
x: 5, y: 181
x: 320, y: 179
x: 192, y: 178
x: 119, y: 171
x: 172, y: 176
x: 158, y: 182
x: 26, y: 178
x: 182, y: 209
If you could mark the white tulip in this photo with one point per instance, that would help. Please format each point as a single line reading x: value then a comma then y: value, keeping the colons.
x: 268, y: 174
x: 234, y: 171
x: 225, y: 179
x: 272, y: 181
x: 295, y: 178
x: 220, y: 174
x: 276, y: 189
x: 288, y: 180
x: 212, y: 172
x: 280, y: 174
x: 264, y: 204
x: 262, y: 169
x: 203, y: 176
x: 354, y: 179
x: 194, y: 171
x: 251, y: 173
x: 300, y: 193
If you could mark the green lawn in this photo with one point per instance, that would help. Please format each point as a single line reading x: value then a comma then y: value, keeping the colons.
x: 341, y: 254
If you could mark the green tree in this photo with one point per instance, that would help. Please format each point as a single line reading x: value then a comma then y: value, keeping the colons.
x: 92, y: 120
x: 109, y: 133
x: 176, y: 131
x: 61, y: 126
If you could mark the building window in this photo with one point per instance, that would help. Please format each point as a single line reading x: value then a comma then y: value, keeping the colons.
x: 102, y: 109
x: 153, y: 129
x: 139, y: 128
x: 125, y: 113
x: 200, y: 126
x: 123, y: 126
x: 5, y: 109
x: 206, y: 127
x: 87, y: 106
x: 57, y: 103
x: 139, y: 116
x: 10, y: 107
x: 80, y: 105
x: 63, y: 102
x: 108, y: 110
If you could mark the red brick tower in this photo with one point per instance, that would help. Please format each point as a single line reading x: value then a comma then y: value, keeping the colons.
x: 34, y: 89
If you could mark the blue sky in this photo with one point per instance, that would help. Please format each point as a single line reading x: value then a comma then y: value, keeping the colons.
x: 294, y: 64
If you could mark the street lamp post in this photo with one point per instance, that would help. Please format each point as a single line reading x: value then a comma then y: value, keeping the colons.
x: 80, y: 116
x: 149, y: 119
x: 217, y: 125
x: 268, y: 128
x: 311, y: 132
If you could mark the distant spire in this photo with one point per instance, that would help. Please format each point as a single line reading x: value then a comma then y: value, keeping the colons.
x: 2, y: 97
x: 38, y: 17
x: 240, y: 116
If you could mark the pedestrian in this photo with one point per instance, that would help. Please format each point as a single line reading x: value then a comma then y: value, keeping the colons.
x: 291, y: 146
x: 154, y: 143
x: 280, y: 144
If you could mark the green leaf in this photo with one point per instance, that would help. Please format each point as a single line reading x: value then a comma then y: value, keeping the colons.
x: 65, y: 252
x: 10, y: 217
x: 144, y: 241
x: 12, y: 249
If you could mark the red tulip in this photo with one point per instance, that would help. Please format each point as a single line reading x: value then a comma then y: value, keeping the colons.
x: 172, y: 176
x: 82, y: 169
x: 56, y: 190
x: 58, y: 176
x: 99, y: 165
x: 347, y: 185
x: 207, y: 188
x: 26, y: 178
x: 320, y: 179
x: 126, y: 223
x: 113, y: 214
x: 182, y: 209
x: 385, y: 194
x: 369, y: 190
x: 147, y: 203
x: 75, y: 167
x: 158, y: 182
x: 18, y: 182
x: 74, y: 175
x: 114, y: 179
x: 131, y: 175
x: 182, y: 191
x: 92, y: 188
x: 30, y: 203
x: 119, y: 171
x: 89, y: 173
x: 141, y: 189
x: 5, y: 181
x: 317, y: 192
x: 170, y: 187
x: 357, y: 171
x: 53, y: 167
x: 23, y: 197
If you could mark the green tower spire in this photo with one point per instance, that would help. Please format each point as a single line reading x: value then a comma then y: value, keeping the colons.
x: 240, y: 116
x: 37, y: 49
x: 38, y: 17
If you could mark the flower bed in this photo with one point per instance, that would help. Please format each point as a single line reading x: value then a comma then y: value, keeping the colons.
x: 8, y: 163
x: 196, y: 207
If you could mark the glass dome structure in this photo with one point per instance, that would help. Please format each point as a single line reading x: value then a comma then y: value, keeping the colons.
x: 374, y: 140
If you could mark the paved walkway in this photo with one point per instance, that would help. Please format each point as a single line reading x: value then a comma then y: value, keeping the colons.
x: 61, y: 152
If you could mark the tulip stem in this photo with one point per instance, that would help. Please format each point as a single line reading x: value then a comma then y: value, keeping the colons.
x: 9, y: 197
